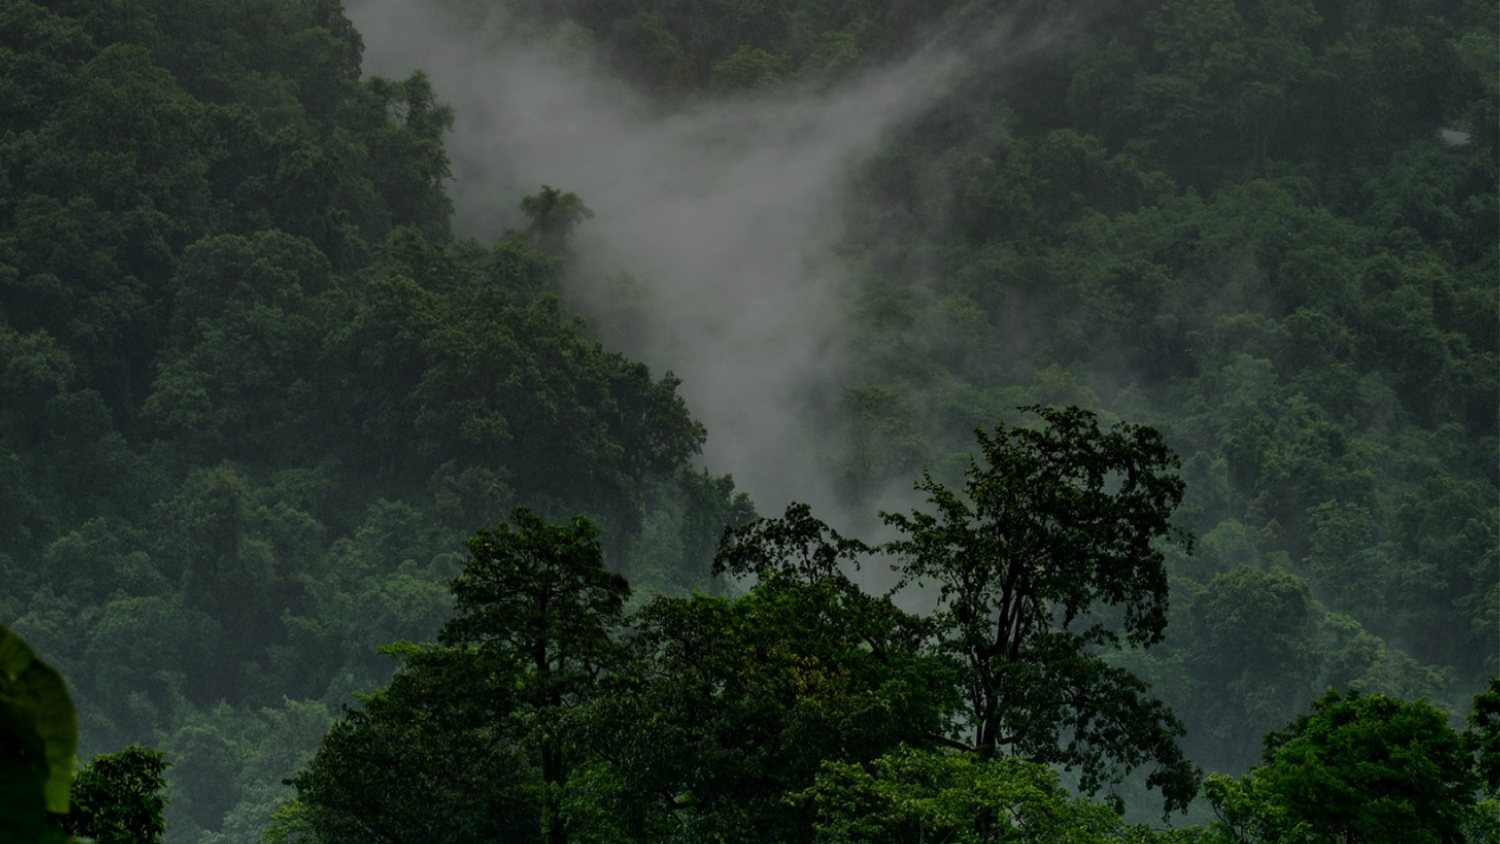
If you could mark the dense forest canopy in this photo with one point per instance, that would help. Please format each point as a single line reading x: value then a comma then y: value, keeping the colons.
x: 260, y: 381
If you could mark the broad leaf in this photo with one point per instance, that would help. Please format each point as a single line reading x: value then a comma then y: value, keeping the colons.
x: 36, y: 708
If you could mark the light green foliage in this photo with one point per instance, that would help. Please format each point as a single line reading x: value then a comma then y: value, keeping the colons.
x: 1356, y: 768
x: 38, y: 734
x: 912, y: 795
x: 39, y: 719
x: 117, y: 798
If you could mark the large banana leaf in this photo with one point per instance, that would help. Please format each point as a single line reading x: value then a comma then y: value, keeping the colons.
x: 36, y: 709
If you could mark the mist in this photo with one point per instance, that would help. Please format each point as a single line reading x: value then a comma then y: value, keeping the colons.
x: 727, y: 213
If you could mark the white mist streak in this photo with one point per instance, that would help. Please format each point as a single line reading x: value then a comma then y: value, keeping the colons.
x: 729, y: 212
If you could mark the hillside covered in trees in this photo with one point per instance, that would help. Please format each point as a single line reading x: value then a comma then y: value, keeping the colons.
x: 256, y: 394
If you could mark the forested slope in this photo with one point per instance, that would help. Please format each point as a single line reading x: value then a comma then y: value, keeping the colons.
x: 1268, y: 228
x: 254, y: 394
x: 1238, y: 222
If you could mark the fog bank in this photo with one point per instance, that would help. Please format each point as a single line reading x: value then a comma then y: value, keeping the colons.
x: 727, y: 212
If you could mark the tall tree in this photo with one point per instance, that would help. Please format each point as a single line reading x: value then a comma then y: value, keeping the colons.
x: 538, y: 595
x: 1050, y: 555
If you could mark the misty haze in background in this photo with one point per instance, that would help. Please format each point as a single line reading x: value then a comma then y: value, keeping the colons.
x: 727, y: 214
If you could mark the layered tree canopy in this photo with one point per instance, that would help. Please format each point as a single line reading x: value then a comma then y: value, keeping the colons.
x: 256, y: 395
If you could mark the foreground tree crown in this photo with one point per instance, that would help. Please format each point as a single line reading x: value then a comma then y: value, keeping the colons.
x: 1050, y: 553
x: 697, y: 718
x: 1363, y: 768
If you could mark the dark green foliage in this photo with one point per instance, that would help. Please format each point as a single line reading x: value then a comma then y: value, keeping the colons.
x: 237, y: 375
x: 554, y: 214
x: 735, y: 703
x: 696, y: 718
x: 475, y: 740
x: 1056, y: 530
x: 434, y: 757
x: 745, y: 698
x: 1218, y: 238
x: 693, y: 718
x: 228, y: 295
x: 253, y: 394
x: 1484, y: 733
x: 539, y: 594
x: 117, y: 798
x: 538, y: 597
x: 1253, y: 658
x: 676, y: 49
x: 406, y: 158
